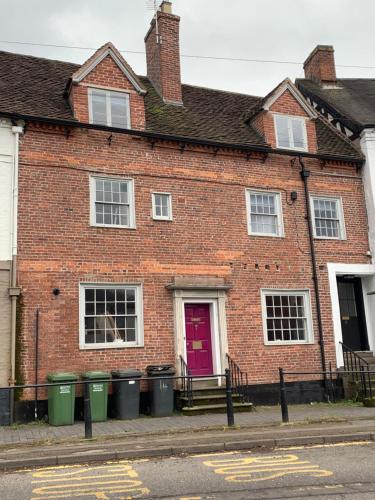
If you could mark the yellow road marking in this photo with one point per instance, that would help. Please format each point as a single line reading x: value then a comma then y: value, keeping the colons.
x: 98, y: 495
x: 264, y: 467
x: 191, y: 498
x: 223, y: 453
x: 111, y: 478
x: 56, y: 472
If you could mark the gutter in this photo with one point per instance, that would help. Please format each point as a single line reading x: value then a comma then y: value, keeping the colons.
x: 14, y: 291
x: 182, y: 139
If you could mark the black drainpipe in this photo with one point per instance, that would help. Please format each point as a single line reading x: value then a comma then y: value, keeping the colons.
x: 305, y: 174
x: 36, y: 363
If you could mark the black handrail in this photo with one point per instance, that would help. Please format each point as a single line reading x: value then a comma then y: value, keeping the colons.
x: 359, y: 367
x: 187, y: 383
x: 359, y: 374
x: 239, y: 380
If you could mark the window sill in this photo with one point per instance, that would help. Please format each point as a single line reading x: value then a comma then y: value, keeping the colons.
x: 328, y: 238
x: 113, y: 226
x: 291, y: 149
x: 267, y: 235
x: 123, y: 345
x: 288, y: 343
x: 165, y: 219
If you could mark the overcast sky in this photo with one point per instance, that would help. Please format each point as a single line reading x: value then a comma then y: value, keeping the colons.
x: 284, y: 30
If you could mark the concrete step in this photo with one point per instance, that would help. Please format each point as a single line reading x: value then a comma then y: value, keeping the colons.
x: 209, y: 399
x: 205, y: 384
x: 365, y: 354
x: 209, y: 391
x: 216, y: 408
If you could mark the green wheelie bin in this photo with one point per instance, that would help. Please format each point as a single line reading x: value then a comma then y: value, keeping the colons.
x: 61, y: 399
x: 98, y: 392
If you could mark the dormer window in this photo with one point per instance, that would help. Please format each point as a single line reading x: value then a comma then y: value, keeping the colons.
x: 109, y: 108
x: 290, y: 132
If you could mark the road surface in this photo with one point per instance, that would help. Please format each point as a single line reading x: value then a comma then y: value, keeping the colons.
x: 339, y: 471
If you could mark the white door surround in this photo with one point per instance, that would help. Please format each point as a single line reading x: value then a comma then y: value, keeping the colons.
x: 216, y: 299
x: 367, y: 273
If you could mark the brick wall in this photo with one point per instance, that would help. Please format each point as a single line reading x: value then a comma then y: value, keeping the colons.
x: 208, y: 237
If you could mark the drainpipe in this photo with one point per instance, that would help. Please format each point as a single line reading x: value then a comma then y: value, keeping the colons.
x: 14, y: 291
x: 305, y: 174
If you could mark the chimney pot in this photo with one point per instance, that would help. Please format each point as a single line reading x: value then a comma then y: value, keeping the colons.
x: 166, y: 7
x: 320, y: 65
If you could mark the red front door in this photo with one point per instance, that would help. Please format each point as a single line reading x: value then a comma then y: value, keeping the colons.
x: 198, y: 339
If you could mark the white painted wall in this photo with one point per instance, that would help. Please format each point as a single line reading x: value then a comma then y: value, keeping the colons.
x: 367, y: 273
x: 368, y: 147
x: 7, y: 145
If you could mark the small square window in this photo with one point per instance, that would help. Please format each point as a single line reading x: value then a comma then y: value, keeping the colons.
x: 161, y: 206
x: 286, y: 316
x: 109, y: 108
x: 328, y: 218
x: 290, y: 132
x: 264, y: 213
x: 112, y: 202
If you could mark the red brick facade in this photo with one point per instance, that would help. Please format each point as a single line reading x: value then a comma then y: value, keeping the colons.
x: 208, y: 237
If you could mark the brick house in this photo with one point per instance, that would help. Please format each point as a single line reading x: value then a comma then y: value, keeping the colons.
x: 349, y: 105
x: 158, y: 220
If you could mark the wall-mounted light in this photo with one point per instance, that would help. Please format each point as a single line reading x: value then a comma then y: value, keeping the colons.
x: 293, y: 195
x: 56, y: 291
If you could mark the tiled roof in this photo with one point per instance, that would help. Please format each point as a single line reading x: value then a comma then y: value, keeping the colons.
x: 33, y: 86
x: 206, y: 114
x: 353, y: 99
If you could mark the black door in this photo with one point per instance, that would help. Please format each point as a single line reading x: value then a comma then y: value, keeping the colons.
x: 353, y: 320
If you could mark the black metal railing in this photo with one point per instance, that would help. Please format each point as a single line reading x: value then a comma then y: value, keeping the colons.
x: 239, y: 381
x: 87, y: 410
x: 359, y: 367
x: 186, y: 383
x: 283, y: 375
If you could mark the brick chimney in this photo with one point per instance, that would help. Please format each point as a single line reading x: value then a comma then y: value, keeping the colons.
x: 320, y: 65
x: 163, y: 54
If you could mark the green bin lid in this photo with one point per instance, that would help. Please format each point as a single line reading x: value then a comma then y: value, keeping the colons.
x: 61, y: 377
x: 126, y: 373
x: 96, y: 375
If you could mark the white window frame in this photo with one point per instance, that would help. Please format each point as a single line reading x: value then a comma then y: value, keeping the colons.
x: 291, y: 117
x: 139, y: 340
x: 340, y: 213
x: 279, y: 212
x: 108, y: 93
x: 130, y: 182
x: 307, y: 303
x: 161, y: 217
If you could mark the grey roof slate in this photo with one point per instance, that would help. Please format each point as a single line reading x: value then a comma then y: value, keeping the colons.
x: 33, y: 86
x: 353, y: 99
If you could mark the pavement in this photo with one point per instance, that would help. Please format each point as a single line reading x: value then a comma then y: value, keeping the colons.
x: 40, y: 444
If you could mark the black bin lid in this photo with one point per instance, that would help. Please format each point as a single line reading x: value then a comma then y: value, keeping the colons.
x: 160, y: 370
x: 126, y: 373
